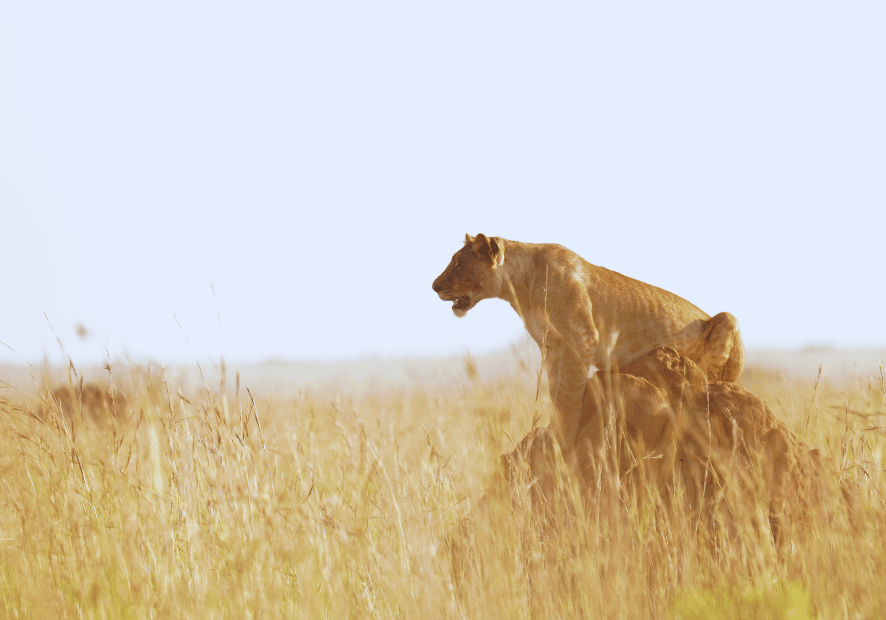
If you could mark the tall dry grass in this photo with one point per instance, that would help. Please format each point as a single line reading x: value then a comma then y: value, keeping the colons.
x: 219, y: 503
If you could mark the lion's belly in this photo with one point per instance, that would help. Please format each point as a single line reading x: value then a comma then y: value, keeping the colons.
x: 632, y: 344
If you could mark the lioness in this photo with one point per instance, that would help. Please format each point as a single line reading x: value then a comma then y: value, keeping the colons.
x: 579, y: 314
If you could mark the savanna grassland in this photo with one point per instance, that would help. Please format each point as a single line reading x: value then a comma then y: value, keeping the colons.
x: 140, y: 498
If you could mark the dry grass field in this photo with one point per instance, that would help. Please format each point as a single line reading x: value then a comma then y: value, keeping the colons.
x: 139, y: 495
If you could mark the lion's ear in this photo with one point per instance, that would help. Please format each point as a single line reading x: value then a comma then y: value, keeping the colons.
x: 488, y: 249
x: 495, y: 252
x: 477, y: 243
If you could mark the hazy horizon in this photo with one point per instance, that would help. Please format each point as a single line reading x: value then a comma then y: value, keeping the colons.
x: 523, y: 344
x: 377, y: 374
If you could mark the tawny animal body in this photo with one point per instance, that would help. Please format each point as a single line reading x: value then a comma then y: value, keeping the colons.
x: 582, y: 315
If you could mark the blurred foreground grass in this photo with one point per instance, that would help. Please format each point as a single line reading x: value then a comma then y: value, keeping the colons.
x: 151, y: 501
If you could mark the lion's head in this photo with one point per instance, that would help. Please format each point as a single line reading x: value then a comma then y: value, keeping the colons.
x: 471, y: 275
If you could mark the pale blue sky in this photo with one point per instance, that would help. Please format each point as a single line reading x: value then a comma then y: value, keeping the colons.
x: 318, y: 163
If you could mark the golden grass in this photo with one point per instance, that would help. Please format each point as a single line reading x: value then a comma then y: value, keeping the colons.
x: 221, y: 505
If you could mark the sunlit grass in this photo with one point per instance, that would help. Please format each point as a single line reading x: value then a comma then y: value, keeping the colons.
x: 230, y: 504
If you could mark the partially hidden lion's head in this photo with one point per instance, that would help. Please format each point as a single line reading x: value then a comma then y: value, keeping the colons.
x: 471, y: 275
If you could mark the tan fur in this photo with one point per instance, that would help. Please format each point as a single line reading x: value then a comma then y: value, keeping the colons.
x: 660, y: 429
x: 582, y: 315
x: 660, y: 424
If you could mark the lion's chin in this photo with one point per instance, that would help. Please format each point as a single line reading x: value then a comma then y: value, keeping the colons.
x: 461, y: 305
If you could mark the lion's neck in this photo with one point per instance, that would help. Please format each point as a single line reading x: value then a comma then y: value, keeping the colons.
x: 515, y: 273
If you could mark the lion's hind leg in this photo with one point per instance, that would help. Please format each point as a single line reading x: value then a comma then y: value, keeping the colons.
x: 722, y: 358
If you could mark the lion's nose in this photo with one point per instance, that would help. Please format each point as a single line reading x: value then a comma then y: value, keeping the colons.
x: 436, y: 285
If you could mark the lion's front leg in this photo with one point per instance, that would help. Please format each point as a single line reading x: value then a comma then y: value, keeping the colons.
x: 568, y: 339
x: 567, y: 385
x: 568, y: 366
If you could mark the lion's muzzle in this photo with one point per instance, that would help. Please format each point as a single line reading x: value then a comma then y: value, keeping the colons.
x: 461, y: 303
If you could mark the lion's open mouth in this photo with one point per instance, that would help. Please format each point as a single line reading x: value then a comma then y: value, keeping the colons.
x: 460, y: 303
